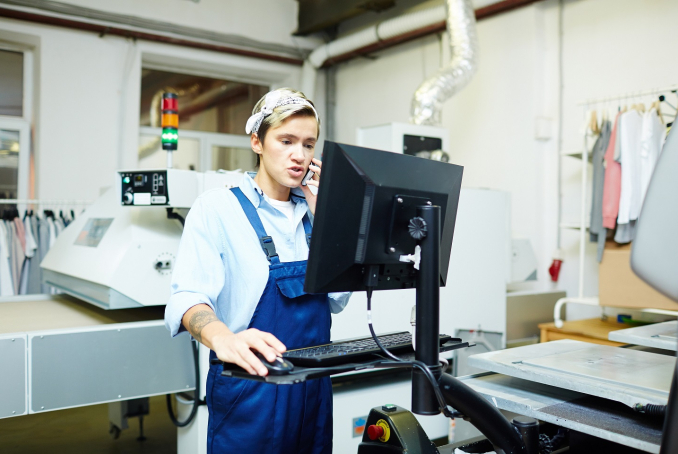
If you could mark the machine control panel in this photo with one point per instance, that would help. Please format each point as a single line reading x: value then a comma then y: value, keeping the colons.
x: 144, y: 187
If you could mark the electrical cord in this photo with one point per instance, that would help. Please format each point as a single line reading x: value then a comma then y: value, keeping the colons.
x: 196, y: 397
x: 196, y: 361
x: 172, y: 215
x: 399, y: 362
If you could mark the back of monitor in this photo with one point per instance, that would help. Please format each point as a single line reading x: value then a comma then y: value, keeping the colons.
x: 654, y: 256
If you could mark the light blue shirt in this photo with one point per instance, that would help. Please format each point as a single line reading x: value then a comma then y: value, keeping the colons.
x: 220, y: 260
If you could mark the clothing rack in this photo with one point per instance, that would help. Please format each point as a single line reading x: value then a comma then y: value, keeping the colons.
x: 629, y: 95
x: 44, y: 202
x: 581, y: 298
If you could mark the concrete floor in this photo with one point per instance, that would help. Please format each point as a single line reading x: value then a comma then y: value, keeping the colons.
x: 85, y: 430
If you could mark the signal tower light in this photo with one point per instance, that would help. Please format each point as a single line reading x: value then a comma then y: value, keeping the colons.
x: 170, y: 122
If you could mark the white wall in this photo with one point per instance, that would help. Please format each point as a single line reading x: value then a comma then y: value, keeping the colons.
x: 271, y: 21
x: 609, y: 46
x: 87, y: 92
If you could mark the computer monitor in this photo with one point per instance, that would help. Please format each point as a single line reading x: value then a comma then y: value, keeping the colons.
x: 366, y: 200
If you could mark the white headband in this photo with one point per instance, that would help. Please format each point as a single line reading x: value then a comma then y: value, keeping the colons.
x: 274, y: 99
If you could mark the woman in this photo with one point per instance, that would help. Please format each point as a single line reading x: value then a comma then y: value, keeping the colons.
x: 238, y: 295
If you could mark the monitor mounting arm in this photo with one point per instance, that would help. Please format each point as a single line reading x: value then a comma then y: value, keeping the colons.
x: 426, y: 229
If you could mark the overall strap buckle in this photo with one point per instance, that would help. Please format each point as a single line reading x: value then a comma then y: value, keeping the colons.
x: 308, y: 240
x: 268, y: 246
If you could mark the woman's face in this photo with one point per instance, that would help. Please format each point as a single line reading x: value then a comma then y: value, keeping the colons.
x: 288, y: 149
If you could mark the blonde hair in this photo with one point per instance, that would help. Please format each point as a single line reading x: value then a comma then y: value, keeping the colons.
x: 282, y: 113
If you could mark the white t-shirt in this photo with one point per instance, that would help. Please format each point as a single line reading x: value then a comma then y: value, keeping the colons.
x: 286, y: 208
x: 653, y: 136
x: 630, y: 132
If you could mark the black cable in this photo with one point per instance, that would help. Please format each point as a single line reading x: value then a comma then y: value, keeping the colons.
x: 369, y: 324
x: 399, y: 362
x: 172, y: 215
x: 196, y: 397
x: 196, y: 361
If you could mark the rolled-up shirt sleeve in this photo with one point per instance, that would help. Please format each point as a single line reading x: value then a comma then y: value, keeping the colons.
x: 338, y: 301
x: 199, y: 275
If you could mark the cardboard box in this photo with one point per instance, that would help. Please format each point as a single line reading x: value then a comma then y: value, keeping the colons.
x: 618, y: 285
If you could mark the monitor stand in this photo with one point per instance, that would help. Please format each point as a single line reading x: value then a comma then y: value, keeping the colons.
x: 478, y: 411
x: 474, y: 408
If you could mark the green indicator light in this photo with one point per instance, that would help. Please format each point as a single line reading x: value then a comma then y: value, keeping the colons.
x: 170, y: 138
x: 125, y: 180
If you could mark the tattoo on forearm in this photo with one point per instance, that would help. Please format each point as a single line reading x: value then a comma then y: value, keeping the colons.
x: 198, y: 321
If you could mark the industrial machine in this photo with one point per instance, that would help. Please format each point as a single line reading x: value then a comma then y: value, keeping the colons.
x: 128, y: 236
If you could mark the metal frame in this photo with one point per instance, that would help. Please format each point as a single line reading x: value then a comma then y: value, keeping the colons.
x: 23, y: 123
x: 207, y: 140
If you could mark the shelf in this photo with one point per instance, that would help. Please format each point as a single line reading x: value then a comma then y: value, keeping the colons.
x: 577, y: 154
x: 571, y: 225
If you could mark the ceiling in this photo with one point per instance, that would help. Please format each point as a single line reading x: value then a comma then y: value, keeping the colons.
x: 325, y: 15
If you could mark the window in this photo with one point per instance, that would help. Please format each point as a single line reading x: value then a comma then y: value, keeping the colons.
x: 9, y: 163
x: 15, y: 73
x: 212, y: 117
x: 12, y: 83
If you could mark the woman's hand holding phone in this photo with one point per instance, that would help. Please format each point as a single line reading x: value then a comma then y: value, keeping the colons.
x: 311, y: 197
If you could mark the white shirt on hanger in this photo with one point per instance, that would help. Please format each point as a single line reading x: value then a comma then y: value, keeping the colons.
x: 630, y: 133
x: 654, y: 133
x: 6, y: 284
x: 31, y: 245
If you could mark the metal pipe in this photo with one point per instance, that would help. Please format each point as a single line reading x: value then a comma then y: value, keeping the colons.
x: 438, y: 27
x: 103, y: 30
x: 389, y: 33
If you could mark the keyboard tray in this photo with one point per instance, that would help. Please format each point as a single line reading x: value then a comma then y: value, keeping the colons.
x: 300, y: 374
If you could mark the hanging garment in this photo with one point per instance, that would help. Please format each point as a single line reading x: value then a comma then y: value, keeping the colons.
x: 597, y: 232
x: 625, y: 232
x: 630, y: 130
x: 653, y: 136
x: 45, y: 241
x: 34, y: 271
x: 31, y: 247
x: 612, y: 180
x: 20, y: 233
x: 52, y: 232
x: 6, y: 283
x: 17, y: 256
x: 249, y: 416
x: 59, y: 226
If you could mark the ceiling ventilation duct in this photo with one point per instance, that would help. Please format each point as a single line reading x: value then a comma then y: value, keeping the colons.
x: 428, y: 100
x: 385, y: 30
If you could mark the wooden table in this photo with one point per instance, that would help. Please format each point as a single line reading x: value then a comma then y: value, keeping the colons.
x: 592, y: 330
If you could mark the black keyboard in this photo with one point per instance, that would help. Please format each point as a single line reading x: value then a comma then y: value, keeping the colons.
x: 352, y: 350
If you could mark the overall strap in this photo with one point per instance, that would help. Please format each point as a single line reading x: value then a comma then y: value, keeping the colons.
x: 307, y: 229
x: 266, y: 241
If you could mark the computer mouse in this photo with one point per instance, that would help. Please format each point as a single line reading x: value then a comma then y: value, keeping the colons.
x: 280, y: 366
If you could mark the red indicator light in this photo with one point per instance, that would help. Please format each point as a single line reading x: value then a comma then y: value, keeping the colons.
x: 170, y: 103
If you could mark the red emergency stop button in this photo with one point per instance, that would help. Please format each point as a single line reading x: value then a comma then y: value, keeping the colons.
x: 375, y: 432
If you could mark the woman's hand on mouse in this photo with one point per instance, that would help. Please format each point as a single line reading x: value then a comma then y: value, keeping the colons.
x: 316, y: 166
x: 237, y: 349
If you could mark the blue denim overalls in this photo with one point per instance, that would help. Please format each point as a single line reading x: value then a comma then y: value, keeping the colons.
x: 250, y: 417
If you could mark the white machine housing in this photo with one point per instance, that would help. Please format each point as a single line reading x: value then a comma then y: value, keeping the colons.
x: 104, y: 255
x: 392, y: 137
